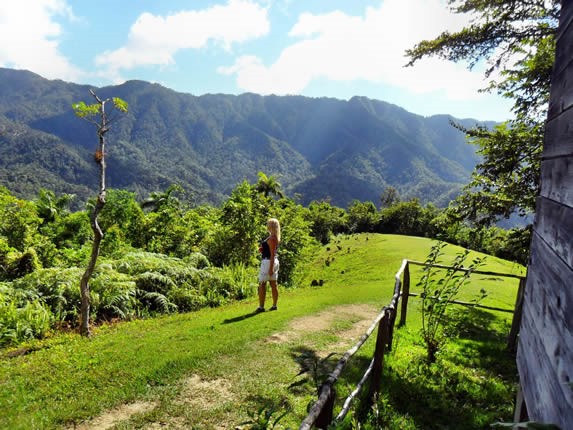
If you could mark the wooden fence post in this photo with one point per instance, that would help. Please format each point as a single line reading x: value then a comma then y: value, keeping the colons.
x: 325, y: 418
x: 391, y: 322
x: 516, y: 322
x: 381, y: 341
x: 405, y: 295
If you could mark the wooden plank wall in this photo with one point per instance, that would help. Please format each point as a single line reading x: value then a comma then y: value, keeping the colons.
x: 545, y: 350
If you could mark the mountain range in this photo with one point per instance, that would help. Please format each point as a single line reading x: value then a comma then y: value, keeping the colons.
x: 317, y: 148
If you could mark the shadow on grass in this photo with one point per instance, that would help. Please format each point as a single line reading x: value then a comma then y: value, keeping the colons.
x: 479, y: 325
x: 469, y: 387
x: 313, y: 370
x: 241, y: 317
x: 487, y: 346
x: 267, y: 412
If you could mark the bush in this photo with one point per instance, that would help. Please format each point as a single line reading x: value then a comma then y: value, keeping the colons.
x: 58, y: 289
x: 112, y: 295
x: 153, y: 282
x: 25, y: 263
x: 187, y: 299
x: 439, y: 291
x: 197, y: 260
x: 22, y: 320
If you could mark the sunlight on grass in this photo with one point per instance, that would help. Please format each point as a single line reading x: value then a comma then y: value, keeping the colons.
x: 68, y: 379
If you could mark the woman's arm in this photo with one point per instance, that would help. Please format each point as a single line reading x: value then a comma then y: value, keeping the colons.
x: 272, y: 241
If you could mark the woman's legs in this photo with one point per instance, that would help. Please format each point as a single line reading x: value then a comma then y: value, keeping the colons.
x: 262, y: 294
x: 275, y: 292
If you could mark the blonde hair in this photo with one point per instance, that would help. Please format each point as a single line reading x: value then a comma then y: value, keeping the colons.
x: 274, y: 228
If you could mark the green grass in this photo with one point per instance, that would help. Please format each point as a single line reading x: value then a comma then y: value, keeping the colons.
x: 68, y: 379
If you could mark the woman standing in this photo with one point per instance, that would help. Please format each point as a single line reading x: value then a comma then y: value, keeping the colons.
x: 269, y: 265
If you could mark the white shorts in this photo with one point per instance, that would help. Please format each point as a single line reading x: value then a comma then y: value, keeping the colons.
x: 264, y: 272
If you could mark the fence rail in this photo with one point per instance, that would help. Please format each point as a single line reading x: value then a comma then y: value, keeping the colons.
x: 321, y: 412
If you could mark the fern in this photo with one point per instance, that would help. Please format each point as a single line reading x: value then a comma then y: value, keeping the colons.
x: 155, y: 301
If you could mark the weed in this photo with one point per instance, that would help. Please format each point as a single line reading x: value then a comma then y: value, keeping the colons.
x: 264, y: 418
x: 438, y: 294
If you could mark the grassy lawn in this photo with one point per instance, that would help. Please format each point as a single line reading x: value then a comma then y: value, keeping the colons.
x: 218, y: 367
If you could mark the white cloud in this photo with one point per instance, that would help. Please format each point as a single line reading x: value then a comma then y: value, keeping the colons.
x: 154, y: 40
x: 29, y: 37
x: 340, y: 47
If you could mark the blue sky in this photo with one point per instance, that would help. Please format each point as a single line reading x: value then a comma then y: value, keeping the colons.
x: 316, y: 48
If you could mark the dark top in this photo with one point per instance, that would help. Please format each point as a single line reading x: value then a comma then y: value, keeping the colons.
x: 266, y: 252
x: 266, y: 249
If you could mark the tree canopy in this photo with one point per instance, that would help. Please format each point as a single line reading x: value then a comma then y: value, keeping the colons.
x: 516, y: 39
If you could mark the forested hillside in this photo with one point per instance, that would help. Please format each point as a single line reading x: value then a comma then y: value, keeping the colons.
x: 317, y: 148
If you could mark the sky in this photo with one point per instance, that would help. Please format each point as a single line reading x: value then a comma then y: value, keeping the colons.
x: 315, y: 48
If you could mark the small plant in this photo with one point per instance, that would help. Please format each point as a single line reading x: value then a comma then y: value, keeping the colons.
x: 438, y: 292
x: 263, y: 418
x: 312, y: 369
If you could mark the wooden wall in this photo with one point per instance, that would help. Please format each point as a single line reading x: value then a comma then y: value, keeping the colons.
x: 545, y: 350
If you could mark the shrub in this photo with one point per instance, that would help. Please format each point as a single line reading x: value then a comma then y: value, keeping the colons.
x: 154, y: 282
x: 197, y: 260
x: 25, y: 263
x: 438, y: 294
x: 58, y: 289
x: 113, y: 294
x: 22, y: 320
x: 187, y: 299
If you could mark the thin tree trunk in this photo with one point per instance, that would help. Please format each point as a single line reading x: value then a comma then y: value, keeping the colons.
x: 84, y: 283
x: 98, y: 234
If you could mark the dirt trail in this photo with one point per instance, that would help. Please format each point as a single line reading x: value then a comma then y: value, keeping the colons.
x: 203, y: 395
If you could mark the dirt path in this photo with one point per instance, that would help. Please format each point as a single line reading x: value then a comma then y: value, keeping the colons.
x: 204, y: 395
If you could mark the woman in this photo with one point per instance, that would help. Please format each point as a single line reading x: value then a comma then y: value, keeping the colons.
x: 269, y: 264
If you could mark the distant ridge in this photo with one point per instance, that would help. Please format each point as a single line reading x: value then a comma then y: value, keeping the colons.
x: 318, y: 148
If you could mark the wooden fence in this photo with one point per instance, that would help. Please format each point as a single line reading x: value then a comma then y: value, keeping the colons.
x: 321, y: 413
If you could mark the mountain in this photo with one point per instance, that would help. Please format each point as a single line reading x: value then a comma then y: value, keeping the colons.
x: 317, y: 148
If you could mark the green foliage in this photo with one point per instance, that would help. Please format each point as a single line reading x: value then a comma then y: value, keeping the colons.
x: 504, y: 29
x: 84, y: 110
x: 92, y: 112
x: 507, y: 180
x: 19, y: 324
x: 15, y: 264
x: 518, y: 39
x: 122, y: 210
x: 295, y: 238
x: 408, y: 217
x: 243, y: 219
x: 18, y: 220
x: 268, y: 185
x: 56, y: 288
x: 205, y: 256
x: 113, y: 243
x: 26, y: 262
x: 438, y: 293
x: 325, y: 220
x: 158, y: 201
x: 69, y: 231
x: 362, y: 217
x: 389, y: 197
x: 49, y: 207
x: 140, y: 262
x: 113, y: 295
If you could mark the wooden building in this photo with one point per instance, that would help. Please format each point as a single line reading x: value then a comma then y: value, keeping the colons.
x: 545, y: 350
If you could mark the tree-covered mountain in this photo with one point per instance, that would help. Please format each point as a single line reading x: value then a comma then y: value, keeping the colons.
x: 319, y: 148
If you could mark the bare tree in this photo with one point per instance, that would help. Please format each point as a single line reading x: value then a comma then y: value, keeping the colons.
x: 96, y: 114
